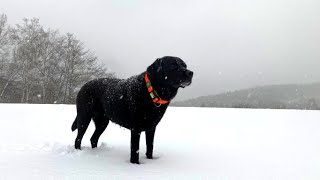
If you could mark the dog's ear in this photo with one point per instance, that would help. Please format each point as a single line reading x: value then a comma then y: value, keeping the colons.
x: 155, y: 67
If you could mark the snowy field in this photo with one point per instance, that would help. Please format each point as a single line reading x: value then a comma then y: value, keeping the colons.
x: 221, y: 144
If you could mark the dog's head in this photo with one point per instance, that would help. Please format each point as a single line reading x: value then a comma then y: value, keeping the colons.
x: 170, y: 71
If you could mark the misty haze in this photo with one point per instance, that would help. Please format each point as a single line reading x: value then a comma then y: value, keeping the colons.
x: 230, y: 45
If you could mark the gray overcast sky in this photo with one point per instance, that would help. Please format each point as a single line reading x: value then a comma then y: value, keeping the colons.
x: 230, y: 44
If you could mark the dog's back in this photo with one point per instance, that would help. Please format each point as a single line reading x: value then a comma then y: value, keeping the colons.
x: 120, y: 101
x: 102, y: 96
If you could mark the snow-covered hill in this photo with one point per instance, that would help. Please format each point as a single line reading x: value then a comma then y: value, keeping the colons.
x: 191, y: 143
x: 292, y: 96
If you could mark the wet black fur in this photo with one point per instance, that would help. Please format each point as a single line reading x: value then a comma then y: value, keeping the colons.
x: 128, y: 103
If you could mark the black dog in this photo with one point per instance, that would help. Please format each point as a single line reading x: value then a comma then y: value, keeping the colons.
x: 137, y: 103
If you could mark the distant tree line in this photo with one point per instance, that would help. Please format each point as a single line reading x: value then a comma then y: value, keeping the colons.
x: 39, y: 65
x: 306, y: 96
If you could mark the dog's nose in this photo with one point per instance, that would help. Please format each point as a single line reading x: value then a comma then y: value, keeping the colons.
x: 189, y: 73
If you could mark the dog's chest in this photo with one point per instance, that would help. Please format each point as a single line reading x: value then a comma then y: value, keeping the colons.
x: 149, y: 118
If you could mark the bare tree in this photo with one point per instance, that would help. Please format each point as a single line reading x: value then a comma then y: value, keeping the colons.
x: 7, y: 67
x: 45, y: 66
x: 29, y: 38
x: 80, y: 66
x: 4, y: 39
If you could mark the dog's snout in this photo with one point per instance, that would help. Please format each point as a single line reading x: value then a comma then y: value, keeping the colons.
x: 189, y: 73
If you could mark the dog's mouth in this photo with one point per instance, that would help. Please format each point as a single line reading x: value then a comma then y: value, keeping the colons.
x: 185, y: 84
x: 187, y: 78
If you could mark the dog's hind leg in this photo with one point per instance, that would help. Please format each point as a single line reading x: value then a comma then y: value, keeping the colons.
x: 101, y: 122
x: 83, y: 123
x: 74, y: 125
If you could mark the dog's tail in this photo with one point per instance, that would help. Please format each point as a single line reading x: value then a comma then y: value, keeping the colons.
x: 74, y: 125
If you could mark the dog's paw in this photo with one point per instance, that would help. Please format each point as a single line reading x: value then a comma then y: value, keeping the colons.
x: 149, y: 156
x: 78, y: 147
x: 94, y: 145
x: 152, y: 156
x: 134, y: 161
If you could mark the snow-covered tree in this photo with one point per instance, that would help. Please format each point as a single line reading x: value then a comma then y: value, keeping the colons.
x: 42, y: 64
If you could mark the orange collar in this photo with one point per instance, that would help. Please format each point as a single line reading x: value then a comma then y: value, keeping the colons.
x: 153, y: 93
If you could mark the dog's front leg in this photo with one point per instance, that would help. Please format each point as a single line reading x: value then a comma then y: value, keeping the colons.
x: 135, y: 141
x: 149, y: 142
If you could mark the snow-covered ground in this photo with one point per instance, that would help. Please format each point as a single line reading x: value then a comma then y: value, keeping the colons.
x: 191, y: 143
